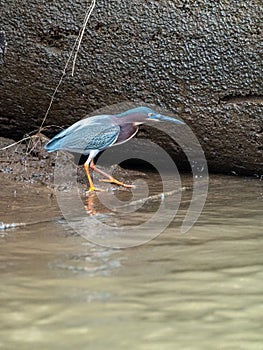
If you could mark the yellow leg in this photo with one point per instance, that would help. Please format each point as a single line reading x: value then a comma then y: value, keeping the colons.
x: 109, y: 178
x: 116, y: 182
x: 91, y: 184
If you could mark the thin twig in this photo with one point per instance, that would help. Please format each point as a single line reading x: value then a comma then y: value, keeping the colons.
x: 58, y: 86
x: 87, y: 16
x: 76, y: 44
x: 13, y: 225
x: 16, y: 143
x: 75, y: 49
x: 154, y: 197
x: 30, y: 135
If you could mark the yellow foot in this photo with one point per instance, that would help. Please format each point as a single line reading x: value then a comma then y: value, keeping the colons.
x: 116, y: 182
x: 93, y: 189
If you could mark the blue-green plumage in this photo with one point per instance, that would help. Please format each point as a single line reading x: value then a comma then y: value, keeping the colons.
x: 91, y: 135
x: 102, y: 131
x: 95, y: 133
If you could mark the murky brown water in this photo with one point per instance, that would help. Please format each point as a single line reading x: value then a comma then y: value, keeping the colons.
x: 201, y: 290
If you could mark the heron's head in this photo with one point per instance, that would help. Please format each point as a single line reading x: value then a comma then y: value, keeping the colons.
x: 141, y: 115
x: 154, y: 116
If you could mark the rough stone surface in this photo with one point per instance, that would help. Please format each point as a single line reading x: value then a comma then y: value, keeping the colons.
x: 200, y: 59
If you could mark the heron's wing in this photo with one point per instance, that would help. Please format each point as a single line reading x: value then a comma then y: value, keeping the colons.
x: 82, y: 139
x: 88, y: 134
x: 92, y: 138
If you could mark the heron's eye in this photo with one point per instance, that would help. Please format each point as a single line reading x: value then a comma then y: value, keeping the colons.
x: 150, y: 114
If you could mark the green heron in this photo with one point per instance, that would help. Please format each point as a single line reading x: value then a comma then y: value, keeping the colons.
x: 92, y: 135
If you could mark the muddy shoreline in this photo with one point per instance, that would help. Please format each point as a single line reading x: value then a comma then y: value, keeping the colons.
x: 28, y: 163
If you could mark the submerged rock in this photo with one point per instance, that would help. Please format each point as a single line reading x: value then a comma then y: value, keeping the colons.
x: 199, y: 59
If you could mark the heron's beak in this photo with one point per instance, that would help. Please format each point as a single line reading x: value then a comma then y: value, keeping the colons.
x: 164, y: 118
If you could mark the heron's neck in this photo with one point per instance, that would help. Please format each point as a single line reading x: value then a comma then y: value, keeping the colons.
x: 127, y: 131
x: 133, y: 118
